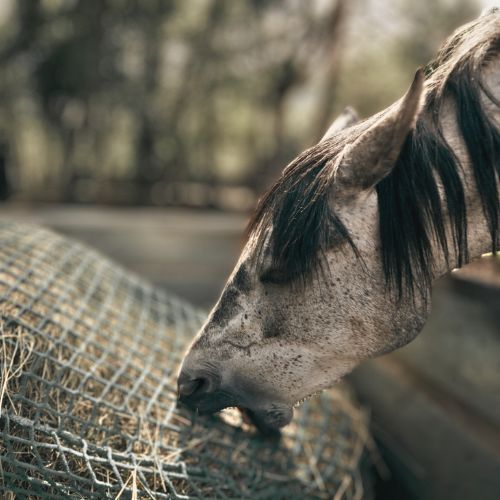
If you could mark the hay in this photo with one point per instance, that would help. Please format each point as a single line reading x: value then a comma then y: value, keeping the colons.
x: 88, y: 409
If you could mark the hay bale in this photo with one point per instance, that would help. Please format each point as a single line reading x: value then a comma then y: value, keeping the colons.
x: 88, y: 358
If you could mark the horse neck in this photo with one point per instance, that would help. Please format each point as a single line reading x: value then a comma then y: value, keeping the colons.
x: 478, y: 234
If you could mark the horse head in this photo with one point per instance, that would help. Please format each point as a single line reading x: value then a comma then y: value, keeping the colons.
x: 342, y: 250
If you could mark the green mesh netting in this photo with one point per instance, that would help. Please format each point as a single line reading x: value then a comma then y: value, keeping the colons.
x: 88, y: 358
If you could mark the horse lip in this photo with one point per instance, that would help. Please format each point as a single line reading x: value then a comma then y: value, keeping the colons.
x: 208, y: 403
x: 200, y: 407
x: 269, y: 420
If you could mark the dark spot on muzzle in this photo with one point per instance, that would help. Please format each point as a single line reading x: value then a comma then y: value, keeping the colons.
x: 227, y: 307
x: 242, y: 280
x: 274, y: 325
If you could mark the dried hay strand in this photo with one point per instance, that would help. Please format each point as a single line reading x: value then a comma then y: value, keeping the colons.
x: 88, y: 357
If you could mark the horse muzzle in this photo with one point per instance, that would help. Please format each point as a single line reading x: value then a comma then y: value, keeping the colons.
x: 203, y: 393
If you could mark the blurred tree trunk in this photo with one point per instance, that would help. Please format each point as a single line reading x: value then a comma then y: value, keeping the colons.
x: 146, y: 164
x: 300, y: 67
x: 66, y: 82
x: 30, y: 20
x: 289, y: 75
x: 196, y: 89
x: 333, y: 56
x: 5, y: 188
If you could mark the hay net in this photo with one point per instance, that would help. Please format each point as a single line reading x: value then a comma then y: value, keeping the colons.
x: 88, y: 357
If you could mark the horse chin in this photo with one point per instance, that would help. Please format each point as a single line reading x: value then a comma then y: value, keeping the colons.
x: 269, y: 421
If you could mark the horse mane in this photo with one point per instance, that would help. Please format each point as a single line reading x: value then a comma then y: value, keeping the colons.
x: 294, y: 221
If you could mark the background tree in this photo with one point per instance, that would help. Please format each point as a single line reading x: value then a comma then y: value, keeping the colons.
x: 180, y: 101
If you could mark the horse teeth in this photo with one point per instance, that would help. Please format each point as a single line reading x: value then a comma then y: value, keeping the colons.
x: 300, y: 401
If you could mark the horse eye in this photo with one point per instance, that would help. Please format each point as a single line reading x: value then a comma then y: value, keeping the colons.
x: 274, y: 276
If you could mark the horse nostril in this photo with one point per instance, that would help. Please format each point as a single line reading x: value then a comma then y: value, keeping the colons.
x: 195, y: 387
x: 192, y: 387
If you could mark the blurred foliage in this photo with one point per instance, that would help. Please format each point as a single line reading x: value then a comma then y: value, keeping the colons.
x: 388, y: 40
x: 170, y: 101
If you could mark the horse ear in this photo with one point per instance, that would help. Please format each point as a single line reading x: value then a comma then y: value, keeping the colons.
x: 347, y: 118
x: 373, y: 154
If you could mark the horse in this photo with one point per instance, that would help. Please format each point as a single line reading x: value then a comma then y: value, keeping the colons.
x: 342, y: 251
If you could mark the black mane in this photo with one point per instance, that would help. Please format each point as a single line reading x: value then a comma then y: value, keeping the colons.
x: 295, y: 216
